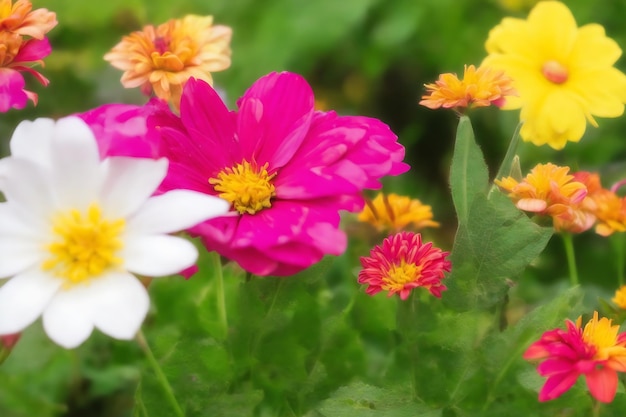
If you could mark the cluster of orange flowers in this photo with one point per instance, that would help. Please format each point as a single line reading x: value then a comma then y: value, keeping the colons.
x: 575, y: 202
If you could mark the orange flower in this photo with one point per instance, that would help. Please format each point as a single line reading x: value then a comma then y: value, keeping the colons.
x: 161, y: 59
x: 550, y: 191
x: 19, y: 18
x: 608, y: 208
x: 479, y: 88
x: 394, y: 212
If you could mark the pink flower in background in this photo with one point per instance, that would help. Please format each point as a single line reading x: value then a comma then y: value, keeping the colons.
x: 402, y: 263
x: 598, y: 352
x: 286, y: 169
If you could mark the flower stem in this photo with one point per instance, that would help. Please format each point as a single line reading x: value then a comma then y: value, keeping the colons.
x: 221, y: 297
x: 568, y: 243
x: 160, y: 375
x: 617, y: 243
x: 407, y: 316
x: 596, y: 408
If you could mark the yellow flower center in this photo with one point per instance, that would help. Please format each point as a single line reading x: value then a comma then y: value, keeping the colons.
x: 400, y: 275
x: 85, y: 245
x: 554, y: 72
x: 603, y: 335
x: 247, y: 187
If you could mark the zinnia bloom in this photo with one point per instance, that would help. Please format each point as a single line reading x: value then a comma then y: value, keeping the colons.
x: 403, y: 263
x: 620, y: 297
x: 548, y: 190
x: 74, y: 228
x: 598, y: 352
x: 394, y: 212
x: 608, y: 208
x: 479, y: 88
x: 19, y: 18
x: 564, y: 74
x: 286, y: 168
x: 160, y: 60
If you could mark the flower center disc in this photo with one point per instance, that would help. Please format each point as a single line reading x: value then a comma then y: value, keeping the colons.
x: 85, y: 245
x: 247, y: 187
x: 554, y: 72
x: 399, y: 275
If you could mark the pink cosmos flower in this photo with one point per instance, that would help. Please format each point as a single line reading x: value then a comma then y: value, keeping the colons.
x: 598, y: 352
x: 403, y: 263
x: 286, y: 168
x: 121, y: 130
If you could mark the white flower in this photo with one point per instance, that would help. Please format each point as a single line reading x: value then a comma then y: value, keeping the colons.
x: 75, y: 228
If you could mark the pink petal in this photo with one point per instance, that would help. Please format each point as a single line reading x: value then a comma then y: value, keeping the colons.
x: 33, y: 50
x: 602, y: 384
x: 556, y: 385
x: 12, y: 94
x: 274, y: 117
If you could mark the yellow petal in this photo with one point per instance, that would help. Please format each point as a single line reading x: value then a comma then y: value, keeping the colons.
x: 593, y: 49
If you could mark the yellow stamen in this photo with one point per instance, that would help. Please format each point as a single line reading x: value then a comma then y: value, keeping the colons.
x: 603, y: 335
x: 85, y: 245
x: 247, y: 187
x: 399, y: 275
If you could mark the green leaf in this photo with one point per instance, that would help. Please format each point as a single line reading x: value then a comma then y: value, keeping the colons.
x: 362, y: 400
x: 495, y: 245
x: 468, y: 173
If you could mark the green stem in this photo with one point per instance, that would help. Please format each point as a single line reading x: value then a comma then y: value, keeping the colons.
x: 160, y: 375
x: 4, y: 354
x: 596, y: 408
x: 407, y: 315
x: 568, y: 243
x: 617, y: 243
x: 221, y: 296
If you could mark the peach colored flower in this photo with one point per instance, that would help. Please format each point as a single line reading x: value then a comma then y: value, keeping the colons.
x: 480, y: 87
x: 161, y: 59
x: 19, y: 18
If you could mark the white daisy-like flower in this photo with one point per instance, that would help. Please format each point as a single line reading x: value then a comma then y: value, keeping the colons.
x: 74, y: 229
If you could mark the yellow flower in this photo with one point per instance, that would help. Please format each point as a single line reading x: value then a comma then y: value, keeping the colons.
x: 564, y: 74
x: 550, y: 191
x: 395, y: 213
x: 620, y: 297
x: 479, y: 88
x: 161, y: 59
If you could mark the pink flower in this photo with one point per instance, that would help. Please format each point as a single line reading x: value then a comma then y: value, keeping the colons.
x: 286, y: 169
x: 16, y: 56
x: 598, y: 352
x: 403, y: 263
x: 121, y: 130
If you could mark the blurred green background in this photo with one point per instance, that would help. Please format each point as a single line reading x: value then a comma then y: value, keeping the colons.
x: 367, y: 57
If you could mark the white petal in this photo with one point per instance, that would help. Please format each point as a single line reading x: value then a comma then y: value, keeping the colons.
x: 17, y: 255
x: 157, y: 256
x: 24, y: 297
x: 122, y: 304
x: 176, y: 210
x: 77, y: 172
x: 129, y: 183
x: 68, y: 319
x: 25, y: 185
x: 31, y: 140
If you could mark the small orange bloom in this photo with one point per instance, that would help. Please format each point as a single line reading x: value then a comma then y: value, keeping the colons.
x: 608, y: 208
x: 19, y: 18
x: 480, y: 87
x: 394, y: 212
x: 550, y: 191
x: 161, y: 59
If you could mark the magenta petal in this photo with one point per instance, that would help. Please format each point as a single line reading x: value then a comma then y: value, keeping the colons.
x: 274, y: 117
x: 556, y: 385
x: 33, y: 50
x: 12, y: 94
x: 122, y: 130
